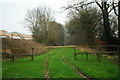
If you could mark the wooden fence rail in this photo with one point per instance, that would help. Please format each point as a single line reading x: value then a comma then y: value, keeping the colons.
x: 98, y: 54
x: 17, y: 55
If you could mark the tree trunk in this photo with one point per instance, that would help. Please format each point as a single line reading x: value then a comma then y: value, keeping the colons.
x: 119, y: 22
x: 108, y: 34
x: 119, y: 31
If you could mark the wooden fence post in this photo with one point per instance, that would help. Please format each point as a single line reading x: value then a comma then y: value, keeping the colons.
x: 74, y: 53
x: 75, y: 56
x: 32, y: 56
x: 118, y: 54
x: 13, y: 58
x: 74, y: 49
x: 98, y: 57
x: 87, y: 57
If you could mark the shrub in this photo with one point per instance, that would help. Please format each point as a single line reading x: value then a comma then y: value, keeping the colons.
x: 20, y: 46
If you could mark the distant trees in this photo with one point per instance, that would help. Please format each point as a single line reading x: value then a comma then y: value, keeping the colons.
x: 87, y: 22
x: 55, y: 34
x: 37, y: 20
x: 102, y: 25
x: 119, y: 22
x: 41, y: 23
x: 84, y: 24
x: 109, y: 33
x: 107, y: 7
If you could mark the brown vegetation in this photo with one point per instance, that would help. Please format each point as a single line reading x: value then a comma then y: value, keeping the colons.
x: 17, y: 46
x: 87, y: 48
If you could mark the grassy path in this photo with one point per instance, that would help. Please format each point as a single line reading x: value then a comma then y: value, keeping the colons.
x: 58, y: 68
x: 92, y: 67
x: 24, y: 68
x: 60, y: 63
x: 75, y: 68
x: 46, y: 71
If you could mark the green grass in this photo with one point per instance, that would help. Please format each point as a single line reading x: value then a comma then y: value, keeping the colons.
x: 92, y: 67
x: 24, y: 67
x: 59, y: 69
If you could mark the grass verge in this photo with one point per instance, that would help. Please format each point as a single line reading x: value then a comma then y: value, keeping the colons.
x: 92, y: 67
x: 25, y: 68
x: 58, y: 68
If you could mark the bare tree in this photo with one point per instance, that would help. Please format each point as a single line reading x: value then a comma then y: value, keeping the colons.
x: 105, y: 6
x: 84, y: 23
x: 37, y: 20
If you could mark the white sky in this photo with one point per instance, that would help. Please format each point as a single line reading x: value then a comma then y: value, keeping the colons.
x: 12, y: 13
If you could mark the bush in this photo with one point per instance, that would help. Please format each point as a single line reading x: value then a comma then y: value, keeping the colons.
x: 19, y: 46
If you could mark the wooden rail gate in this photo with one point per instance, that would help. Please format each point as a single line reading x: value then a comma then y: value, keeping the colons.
x: 98, y: 54
x: 16, y: 55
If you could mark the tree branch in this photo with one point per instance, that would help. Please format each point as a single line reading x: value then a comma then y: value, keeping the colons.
x: 114, y: 9
x: 99, y: 5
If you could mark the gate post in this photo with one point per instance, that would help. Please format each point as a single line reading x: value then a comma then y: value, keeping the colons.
x: 98, y: 57
x: 32, y: 56
x: 75, y: 56
x: 12, y: 58
x: 86, y: 56
x: 118, y: 53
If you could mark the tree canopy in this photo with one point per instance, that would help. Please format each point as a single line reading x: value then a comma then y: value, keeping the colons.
x: 44, y: 29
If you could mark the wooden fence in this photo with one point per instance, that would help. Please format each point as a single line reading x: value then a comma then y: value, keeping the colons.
x: 17, y: 55
x: 98, y: 54
x: 12, y: 56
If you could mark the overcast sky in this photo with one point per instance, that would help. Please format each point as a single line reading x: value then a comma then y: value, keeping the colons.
x: 12, y: 13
